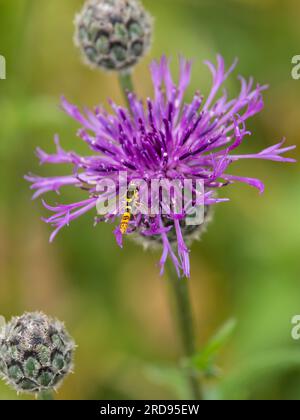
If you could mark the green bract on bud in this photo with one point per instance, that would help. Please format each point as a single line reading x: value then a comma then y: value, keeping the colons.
x: 36, y: 353
x: 190, y: 232
x: 113, y: 34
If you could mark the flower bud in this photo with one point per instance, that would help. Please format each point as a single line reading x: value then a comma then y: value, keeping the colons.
x: 113, y: 34
x: 190, y: 233
x: 36, y: 353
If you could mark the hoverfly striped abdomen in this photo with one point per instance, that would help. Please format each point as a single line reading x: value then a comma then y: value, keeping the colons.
x: 131, y: 200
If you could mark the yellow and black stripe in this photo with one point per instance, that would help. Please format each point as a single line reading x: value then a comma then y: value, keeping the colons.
x: 131, y: 196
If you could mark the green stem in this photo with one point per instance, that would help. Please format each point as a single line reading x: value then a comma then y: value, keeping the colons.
x: 186, y: 328
x: 45, y: 396
x: 126, y: 84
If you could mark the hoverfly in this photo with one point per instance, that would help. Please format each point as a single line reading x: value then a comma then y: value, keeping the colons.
x: 132, y: 203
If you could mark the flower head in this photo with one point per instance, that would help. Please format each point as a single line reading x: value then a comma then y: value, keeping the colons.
x: 113, y: 34
x: 36, y: 353
x: 164, y: 139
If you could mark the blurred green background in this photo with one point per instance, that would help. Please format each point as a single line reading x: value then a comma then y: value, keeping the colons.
x: 113, y: 301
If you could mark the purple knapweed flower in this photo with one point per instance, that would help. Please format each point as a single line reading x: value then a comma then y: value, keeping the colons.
x: 165, y: 138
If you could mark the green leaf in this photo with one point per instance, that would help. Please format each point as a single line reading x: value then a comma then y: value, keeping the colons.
x: 204, y: 360
x: 259, y: 369
x: 168, y: 376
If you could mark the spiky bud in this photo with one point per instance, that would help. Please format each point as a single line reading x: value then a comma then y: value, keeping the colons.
x: 36, y: 353
x: 190, y: 233
x: 113, y: 34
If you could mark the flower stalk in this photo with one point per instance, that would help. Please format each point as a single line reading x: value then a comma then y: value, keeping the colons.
x: 126, y: 84
x: 45, y: 396
x: 186, y: 328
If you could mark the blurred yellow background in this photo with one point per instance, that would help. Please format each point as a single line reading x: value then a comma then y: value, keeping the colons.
x: 113, y: 301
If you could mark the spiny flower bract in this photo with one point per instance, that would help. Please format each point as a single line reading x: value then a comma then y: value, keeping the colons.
x: 36, y: 353
x: 113, y: 34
